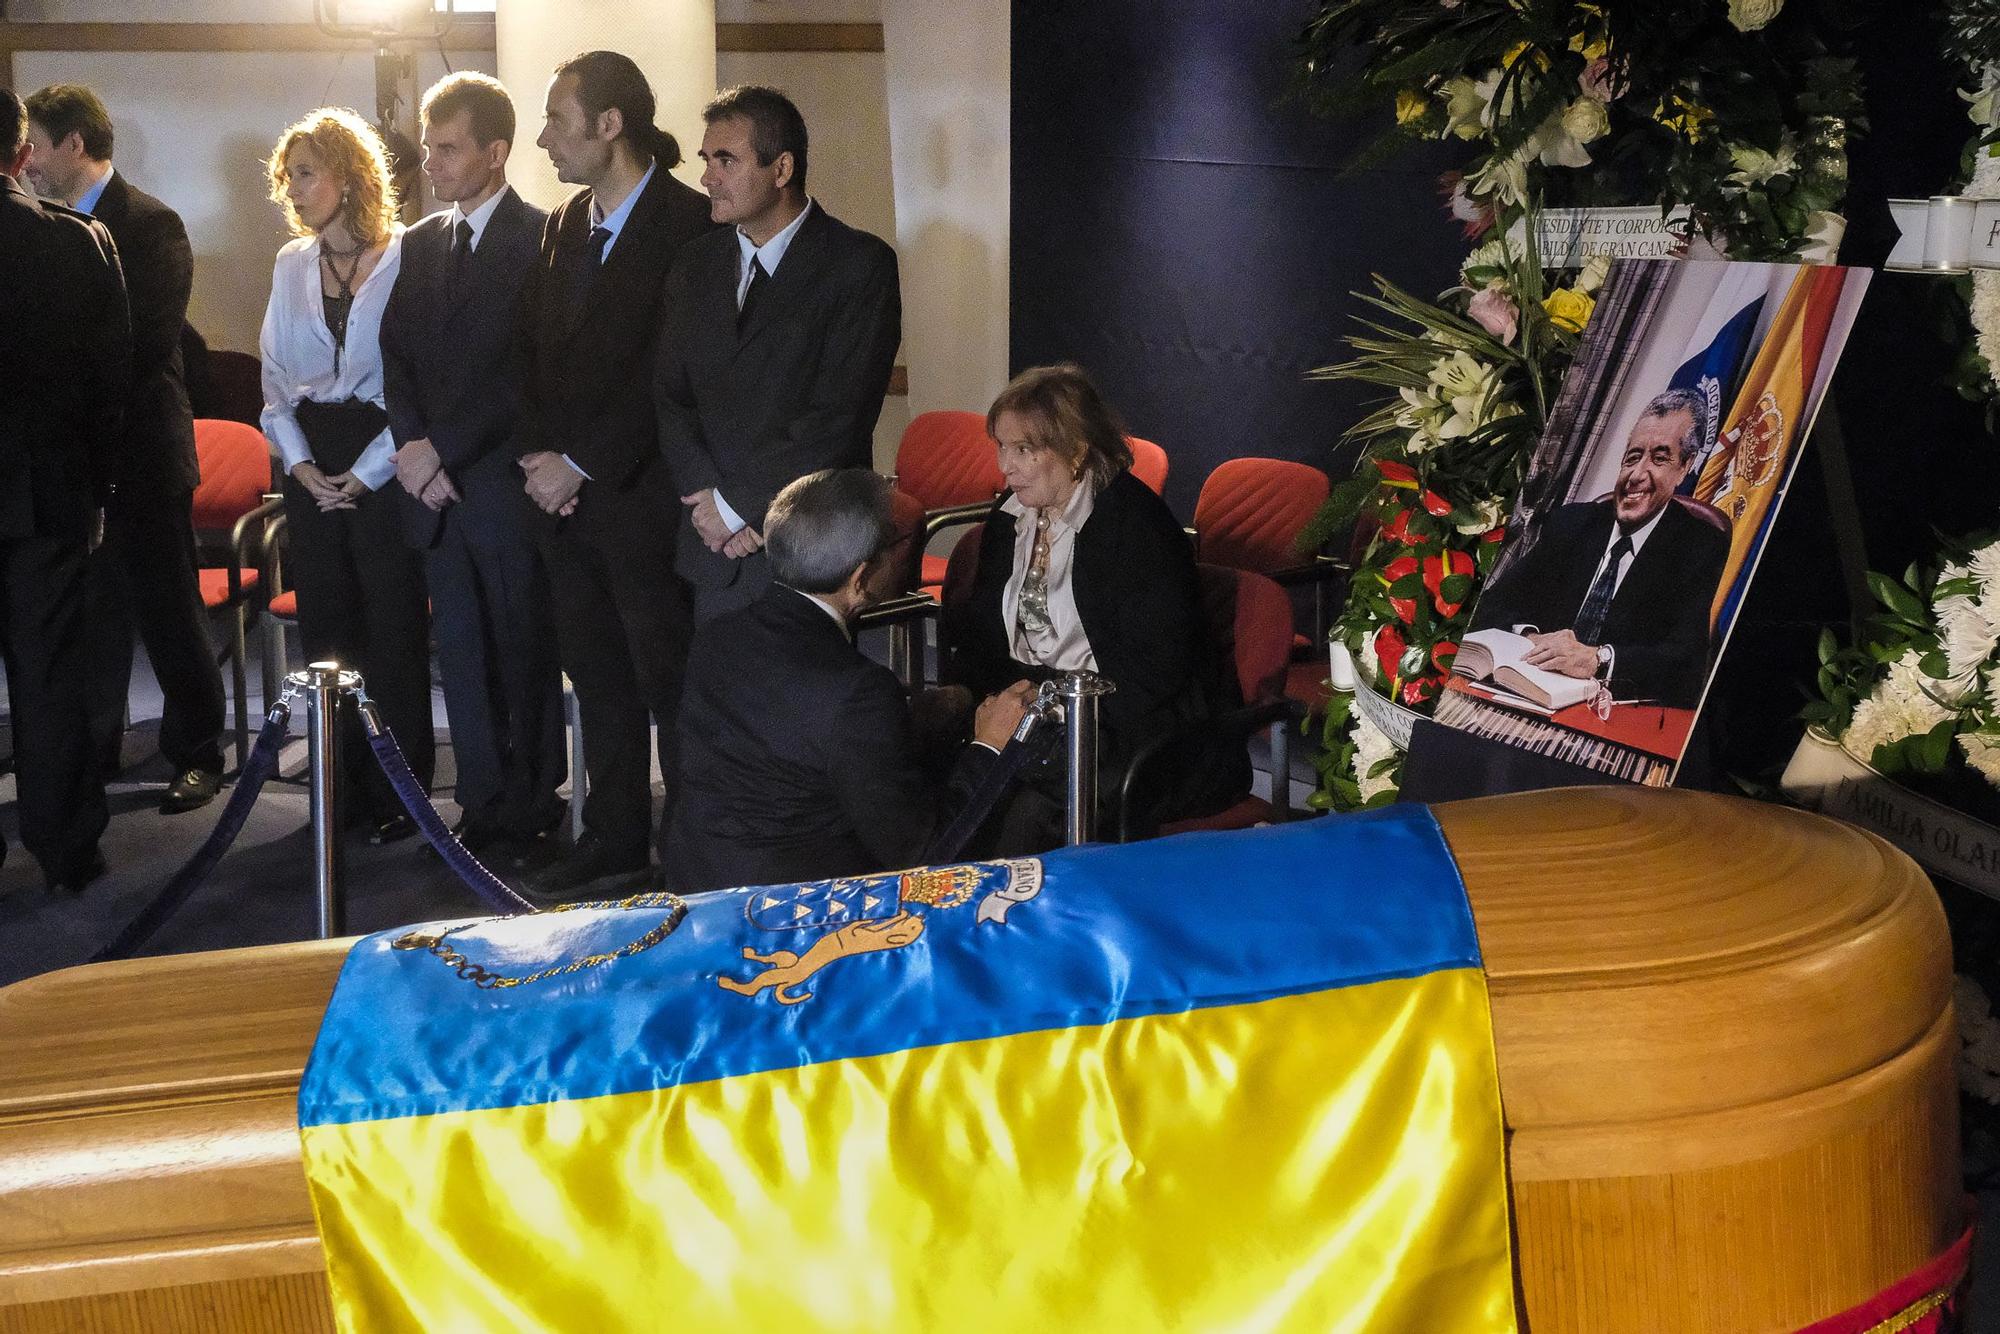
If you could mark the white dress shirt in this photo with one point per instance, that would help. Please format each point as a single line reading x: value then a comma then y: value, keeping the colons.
x: 1063, y: 647
x: 298, y: 352
x: 1637, y: 538
x: 479, y: 217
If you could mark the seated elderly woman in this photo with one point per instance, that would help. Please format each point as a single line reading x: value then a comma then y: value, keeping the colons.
x: 1082, y: 567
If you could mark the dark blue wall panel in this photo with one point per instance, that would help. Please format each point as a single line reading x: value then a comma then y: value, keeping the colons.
x: 1192, y: 238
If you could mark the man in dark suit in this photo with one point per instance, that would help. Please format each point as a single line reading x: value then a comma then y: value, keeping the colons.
x: 1620, y: 588
x: 145, y: 570
x: 589, y: 448
x: 66, y: 350
x: 782, y: 330
x: 798, y: 760
x: 453, y: 402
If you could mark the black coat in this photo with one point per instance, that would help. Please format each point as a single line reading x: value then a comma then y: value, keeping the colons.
x: 1657, y: 624
x: 65, y: 341
x: 1139, y: 598
x: 157, y: 447
x: 796, y: 389
x: 589, y: 342
x: 446, y: 370
x: 797, y: 759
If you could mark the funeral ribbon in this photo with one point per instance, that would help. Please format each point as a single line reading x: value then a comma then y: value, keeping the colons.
x: 1945, y: 234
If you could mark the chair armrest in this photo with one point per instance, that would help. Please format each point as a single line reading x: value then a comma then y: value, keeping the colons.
x: 899, y: 610
x: 268, y: 557
x: 239, y: 532
x: 1243, y: 722
x: 1319, y: 570
x: 954, y: 516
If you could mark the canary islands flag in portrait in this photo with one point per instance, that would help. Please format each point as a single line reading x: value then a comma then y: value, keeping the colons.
x: 1219, y: 1081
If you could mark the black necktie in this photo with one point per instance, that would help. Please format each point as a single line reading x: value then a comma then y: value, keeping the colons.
x: 1597, y: 602
x: 758, y: 278
x: 586, y: 269
x: 461, y: 247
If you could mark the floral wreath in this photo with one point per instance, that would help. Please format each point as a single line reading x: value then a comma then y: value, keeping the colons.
x: 1734, y: 110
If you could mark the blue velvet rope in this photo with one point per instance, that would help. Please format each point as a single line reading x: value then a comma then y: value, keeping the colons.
x: 488, y: 886
x: 1015, y: 756
x: 263, y: 762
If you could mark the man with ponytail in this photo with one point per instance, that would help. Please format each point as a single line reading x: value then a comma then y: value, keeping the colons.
x: 589, y: 451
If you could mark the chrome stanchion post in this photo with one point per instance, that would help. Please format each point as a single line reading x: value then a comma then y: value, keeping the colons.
x: 1078, y: 692
x: 323, y: 684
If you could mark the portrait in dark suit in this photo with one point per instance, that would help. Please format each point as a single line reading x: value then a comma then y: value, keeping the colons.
x: 588, y: 445
x: 799, y: 759
x: 66, y: 346
x: 1620, y: 588
x: 144, y: 572
x: 453, y: 403
x: 782, y: 330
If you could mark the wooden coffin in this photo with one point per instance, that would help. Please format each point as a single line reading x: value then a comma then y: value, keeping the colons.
x: 1725, y: 1045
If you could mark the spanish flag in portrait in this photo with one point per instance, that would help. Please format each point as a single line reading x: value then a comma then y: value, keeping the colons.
x: 1746, y: 474
x: 1223, y: 1081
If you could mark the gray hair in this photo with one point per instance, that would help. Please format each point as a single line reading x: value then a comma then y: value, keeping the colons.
x: 1691, y: 401
x: 824, y: 525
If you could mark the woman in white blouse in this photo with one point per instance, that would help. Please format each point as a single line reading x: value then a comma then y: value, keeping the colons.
x: 360, y: 585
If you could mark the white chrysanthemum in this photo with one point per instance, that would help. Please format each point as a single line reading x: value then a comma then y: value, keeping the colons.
x: 1983, y: 754
x: 1983, y: 566
x: 1978, y: 1040
x: 1901, y: 705
x: 1371, y: 747
x: 1968, y: 636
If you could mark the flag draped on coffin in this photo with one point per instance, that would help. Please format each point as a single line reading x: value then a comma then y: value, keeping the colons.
x: 1746, y: 475
x: 1236, y: 1080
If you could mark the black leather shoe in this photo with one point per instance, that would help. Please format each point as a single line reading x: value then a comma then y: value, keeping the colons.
x: 72, y: 878
x: 392, y: 830
x: 190, y: 792
x: 592, y: 865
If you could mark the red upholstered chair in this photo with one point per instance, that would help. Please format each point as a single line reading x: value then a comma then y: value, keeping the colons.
x: 231, y: 500
x: 1249, y: 621
x: 1251, y: 512
x: 1149, y: 463
x: 947, y: 462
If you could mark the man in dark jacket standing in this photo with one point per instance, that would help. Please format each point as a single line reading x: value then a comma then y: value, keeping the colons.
x: 66, y: 345
x: 145, y: 570
x: 590, y: 454
x: 454, y: 403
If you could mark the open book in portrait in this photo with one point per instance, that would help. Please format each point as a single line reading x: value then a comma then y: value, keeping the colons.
x: 1645, y: 508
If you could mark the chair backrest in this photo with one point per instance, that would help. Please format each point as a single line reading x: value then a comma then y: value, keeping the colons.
x: 235, y: 471
x: 962, y: 568
x: 1149, y: 463
x: 1698, y: 509
x: 945, y: 459
x: 1251, y: 512
x: 1249, y: 621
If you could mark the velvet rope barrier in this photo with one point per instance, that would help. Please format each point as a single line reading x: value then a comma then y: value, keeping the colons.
x: 261, y: 764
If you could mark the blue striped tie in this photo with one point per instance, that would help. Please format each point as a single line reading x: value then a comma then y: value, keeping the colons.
x: 1590, y: 618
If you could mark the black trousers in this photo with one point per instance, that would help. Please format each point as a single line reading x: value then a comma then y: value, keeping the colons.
x: 42, y: 639
x: 497, y: 655
x: 623, y: 624
x: 144, y: 573
x: 362, y: 604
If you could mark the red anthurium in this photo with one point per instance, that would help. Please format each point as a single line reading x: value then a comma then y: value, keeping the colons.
x: 1436, y: 504
x: 1441, y: 654
x: 1498, y: 534
x: 1396, y: 474
x: 1419, y: 691
x: 1436, y: 568
x: 1389, y: 647
x: 1398, y: 529
x: 1406, y: 608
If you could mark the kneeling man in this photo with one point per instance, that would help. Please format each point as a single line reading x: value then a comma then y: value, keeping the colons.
x: 798, y: 760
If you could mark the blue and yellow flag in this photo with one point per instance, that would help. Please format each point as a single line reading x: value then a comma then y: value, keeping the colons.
x: 1236, y: 1081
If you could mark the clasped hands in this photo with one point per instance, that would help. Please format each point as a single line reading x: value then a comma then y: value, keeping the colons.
x: 715, y: 533
x: 422, y: 474
x: 552, y: 482
x: 338, y: 492
x: 1562, y: 652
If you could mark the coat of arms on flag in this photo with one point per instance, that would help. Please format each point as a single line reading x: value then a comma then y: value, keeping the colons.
x: 867, y: 914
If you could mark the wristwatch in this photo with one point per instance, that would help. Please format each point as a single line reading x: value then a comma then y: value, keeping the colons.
x: 1603, y: 659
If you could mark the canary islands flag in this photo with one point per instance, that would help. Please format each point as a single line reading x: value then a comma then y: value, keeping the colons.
x: 1239, y: 1081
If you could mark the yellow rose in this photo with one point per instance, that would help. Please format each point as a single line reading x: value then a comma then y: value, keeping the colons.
x: 1411, y: 106
x: 1568, y: 309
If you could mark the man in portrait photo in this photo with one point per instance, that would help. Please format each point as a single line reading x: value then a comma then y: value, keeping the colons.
x: 1619, y: 588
